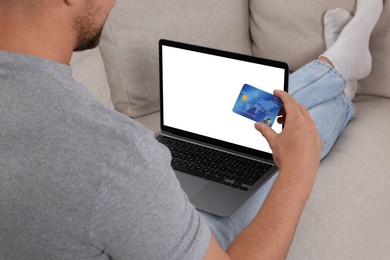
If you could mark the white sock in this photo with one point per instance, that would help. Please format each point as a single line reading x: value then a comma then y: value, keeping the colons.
x: 350, y: 54
x: 334, y: 22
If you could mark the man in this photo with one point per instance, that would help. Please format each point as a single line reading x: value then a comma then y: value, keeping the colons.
x: 75, y: 178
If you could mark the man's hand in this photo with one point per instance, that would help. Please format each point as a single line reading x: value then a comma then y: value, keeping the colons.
x: 296, y: 152
x: 297, y: 148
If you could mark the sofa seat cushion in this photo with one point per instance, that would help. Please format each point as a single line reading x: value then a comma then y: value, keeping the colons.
x: 348, y: 213
x: 130, y: 42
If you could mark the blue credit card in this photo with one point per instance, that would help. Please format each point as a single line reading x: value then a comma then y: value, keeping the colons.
x: 257, y: 105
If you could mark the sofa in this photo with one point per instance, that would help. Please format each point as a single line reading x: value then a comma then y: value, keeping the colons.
x: 348, y: 213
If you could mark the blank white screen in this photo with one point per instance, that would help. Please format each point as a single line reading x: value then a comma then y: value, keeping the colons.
x: 200, y: 91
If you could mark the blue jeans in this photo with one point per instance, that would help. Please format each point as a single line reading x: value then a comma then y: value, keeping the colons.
x: 319, y: 87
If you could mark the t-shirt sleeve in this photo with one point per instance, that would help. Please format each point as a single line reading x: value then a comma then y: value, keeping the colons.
x: 142, y: 212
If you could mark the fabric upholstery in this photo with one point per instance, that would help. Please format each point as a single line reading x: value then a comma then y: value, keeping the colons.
x: 378, y: 83
x: 88, y: 69
x: 152, y: 121
x: 292, y: 31
x: 130, y: 42
x: 348, y: 213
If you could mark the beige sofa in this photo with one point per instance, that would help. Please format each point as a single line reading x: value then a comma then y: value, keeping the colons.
x: 348, y: 214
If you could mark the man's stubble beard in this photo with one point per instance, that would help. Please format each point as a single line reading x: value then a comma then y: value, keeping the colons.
x: 88, y: 35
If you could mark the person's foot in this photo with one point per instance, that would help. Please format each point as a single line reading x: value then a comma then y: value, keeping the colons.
x: 334, y: 22
x: 350, y: 54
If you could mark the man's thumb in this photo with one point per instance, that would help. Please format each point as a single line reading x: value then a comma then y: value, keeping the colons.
x: 268, y: 133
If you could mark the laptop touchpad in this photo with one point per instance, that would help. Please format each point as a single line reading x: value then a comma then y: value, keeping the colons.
x: 190, y: 184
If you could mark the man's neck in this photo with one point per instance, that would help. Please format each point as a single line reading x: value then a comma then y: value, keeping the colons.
x: 38, y: 37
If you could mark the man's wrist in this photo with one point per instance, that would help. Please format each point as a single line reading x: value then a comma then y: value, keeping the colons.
x: 296, y: 183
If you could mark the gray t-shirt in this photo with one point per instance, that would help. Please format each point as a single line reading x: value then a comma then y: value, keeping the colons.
x: 80, y: 181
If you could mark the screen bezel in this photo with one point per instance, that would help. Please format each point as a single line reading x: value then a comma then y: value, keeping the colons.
x: 219, y: 53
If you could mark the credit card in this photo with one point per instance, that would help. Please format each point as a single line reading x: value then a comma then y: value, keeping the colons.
x: 257, y: 105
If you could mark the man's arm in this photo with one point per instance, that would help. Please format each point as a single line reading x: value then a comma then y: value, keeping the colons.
x: 297, y: 154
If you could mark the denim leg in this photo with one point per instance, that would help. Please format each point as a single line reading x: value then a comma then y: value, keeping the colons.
x: 314, y: 83
x: 226, y: 229
x: 319, y: 88
x: 331, y: 117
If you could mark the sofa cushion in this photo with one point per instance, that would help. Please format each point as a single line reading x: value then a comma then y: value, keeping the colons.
x: 130, y: 42
x: 292, y: 31
x: 378, y: 83
x: 151, y: 121
x: 348, y: 213
x: 88, y: 69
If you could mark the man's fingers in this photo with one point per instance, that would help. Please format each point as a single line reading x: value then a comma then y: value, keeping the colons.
x: 292, y: 109
x: 268, y: 133
x: 304, y: 111
x: 289, y: 103
x: 281, y: 120
x: 282, y: 112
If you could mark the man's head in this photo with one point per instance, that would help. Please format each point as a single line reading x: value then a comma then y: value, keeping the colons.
x: 52, y: 29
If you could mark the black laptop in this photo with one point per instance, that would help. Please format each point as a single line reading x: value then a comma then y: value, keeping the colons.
x: 207, y: 121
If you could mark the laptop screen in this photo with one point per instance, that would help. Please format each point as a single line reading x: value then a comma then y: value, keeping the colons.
x: 200, y: 86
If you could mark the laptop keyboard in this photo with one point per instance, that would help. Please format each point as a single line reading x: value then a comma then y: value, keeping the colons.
x: 214, y: 165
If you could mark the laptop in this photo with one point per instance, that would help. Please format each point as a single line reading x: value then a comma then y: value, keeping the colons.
x: 218, y: 156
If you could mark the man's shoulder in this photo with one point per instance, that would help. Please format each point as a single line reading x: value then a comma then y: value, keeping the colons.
x: 48, y: 108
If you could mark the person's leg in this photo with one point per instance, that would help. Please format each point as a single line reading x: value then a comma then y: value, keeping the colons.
x: 350, y: 55
x: 319, y: 87
x: 334, y: 22
x: 315, y: 83
x: 226, y: 229
x: 331, y: 117
x: 332, y: 83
